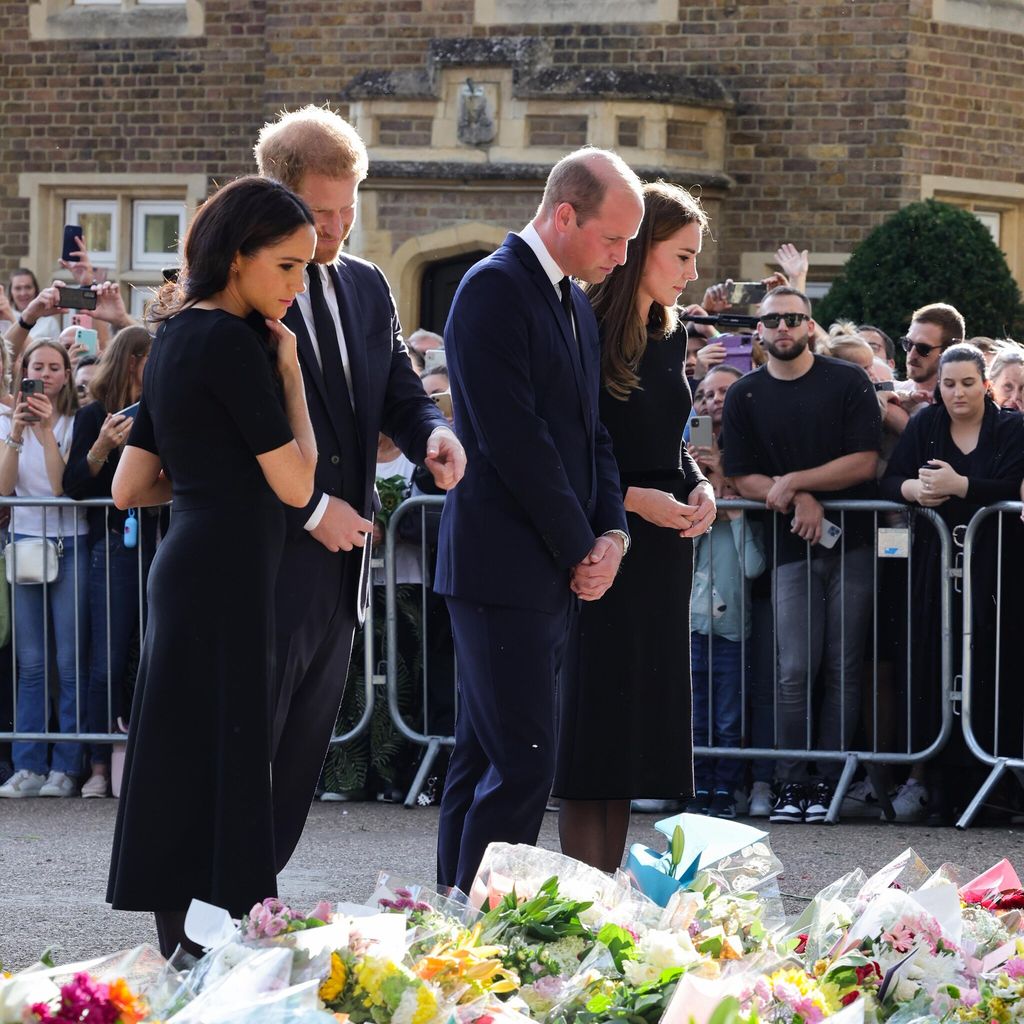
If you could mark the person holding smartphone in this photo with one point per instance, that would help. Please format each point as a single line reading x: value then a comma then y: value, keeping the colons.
x: 34, y: 444
x: 627, y: 682
x: 118, y: 541
x: 30, y: 313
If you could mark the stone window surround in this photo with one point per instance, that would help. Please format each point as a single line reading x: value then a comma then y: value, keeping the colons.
x: 529, y: 12
x: 64, y: 19
x: 46, y: 195
x: 994, y: 15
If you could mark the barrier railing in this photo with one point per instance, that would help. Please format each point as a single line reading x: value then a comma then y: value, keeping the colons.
x: 896, y: 544
x: 1004, y: 693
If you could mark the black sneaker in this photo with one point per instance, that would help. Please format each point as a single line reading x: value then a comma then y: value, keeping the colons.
x: 818, y: 802
x: 790, y: 804
x: 723, y: 805
x: 699, y: 802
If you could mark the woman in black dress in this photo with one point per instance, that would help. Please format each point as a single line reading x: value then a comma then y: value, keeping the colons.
x: 625, y: 725
x: 223, y: 429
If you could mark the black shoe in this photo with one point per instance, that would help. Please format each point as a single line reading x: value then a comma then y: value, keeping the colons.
x: 818, y: 802
x: 699, y: 802
x: 723, y: 805
x: 790, y: 804
x: 6, y: 771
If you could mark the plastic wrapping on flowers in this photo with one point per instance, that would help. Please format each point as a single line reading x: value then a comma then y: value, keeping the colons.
x: 543, y: 938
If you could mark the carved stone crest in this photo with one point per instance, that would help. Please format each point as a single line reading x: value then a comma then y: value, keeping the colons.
x: 476, y: 120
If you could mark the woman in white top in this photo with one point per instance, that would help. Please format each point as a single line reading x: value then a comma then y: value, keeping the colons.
x: 23, y: 289
x: 35, y: 444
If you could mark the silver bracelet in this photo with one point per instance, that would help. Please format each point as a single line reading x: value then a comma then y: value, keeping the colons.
x: 16, y: 445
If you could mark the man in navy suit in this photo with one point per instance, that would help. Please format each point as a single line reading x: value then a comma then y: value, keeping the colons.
x: 359, y: 382
x: 538, y: 521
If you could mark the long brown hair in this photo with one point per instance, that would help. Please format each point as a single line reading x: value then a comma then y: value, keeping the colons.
x: 66, y: 402
x: 115, y: 372
x: 667, y: 208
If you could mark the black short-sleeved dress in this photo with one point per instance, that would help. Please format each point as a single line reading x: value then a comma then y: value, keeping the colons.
x: 625, y: 718
x: 195, y: 816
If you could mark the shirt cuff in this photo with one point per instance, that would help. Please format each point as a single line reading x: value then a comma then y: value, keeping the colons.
x: 318, y: 513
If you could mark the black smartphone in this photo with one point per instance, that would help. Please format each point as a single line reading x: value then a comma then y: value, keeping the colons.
x: 69, y: 251
x: 31, y: 387
x: 76, y: 297
x: 131, y: 411
x: 747, y: 293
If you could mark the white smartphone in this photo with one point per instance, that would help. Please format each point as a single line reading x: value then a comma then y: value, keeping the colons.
x: 830, y: 534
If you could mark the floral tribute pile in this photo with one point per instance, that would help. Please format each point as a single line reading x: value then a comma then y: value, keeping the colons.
x: 543, y: 938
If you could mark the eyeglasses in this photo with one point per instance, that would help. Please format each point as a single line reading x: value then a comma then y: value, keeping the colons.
x: 82, y: 389
x: 771, y: 320
x: 918, y: 347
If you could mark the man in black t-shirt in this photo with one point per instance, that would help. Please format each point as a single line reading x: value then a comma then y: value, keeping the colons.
x: 799, y: 430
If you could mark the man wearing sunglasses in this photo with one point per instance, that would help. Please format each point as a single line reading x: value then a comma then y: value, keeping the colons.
x: 801, y: 429
x: 933, y: 328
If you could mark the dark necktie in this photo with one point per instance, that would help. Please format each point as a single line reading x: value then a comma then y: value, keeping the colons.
x: 565, y: 287
x: 330, y: 350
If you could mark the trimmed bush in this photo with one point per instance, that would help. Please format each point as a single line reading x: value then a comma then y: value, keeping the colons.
x: 927, y: 252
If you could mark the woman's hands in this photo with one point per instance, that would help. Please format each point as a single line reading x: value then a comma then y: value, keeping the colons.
x: 113, y: 434
x: 34, y: 411
x: 936, y: 483
x: 662, y: 509
x: 285, y: 346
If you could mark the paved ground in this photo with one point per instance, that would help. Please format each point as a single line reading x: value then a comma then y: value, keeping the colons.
x: 53, y: 864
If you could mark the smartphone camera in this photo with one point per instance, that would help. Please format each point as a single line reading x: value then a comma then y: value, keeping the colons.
x: 884, y: 385
x: 31, y: 387
x: 76, y: 297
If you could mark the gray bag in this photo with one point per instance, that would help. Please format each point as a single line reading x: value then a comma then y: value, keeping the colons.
x: 33, y: 560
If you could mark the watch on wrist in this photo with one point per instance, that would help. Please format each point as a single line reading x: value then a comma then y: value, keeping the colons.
x: 621, y: 534
x: 24, y: 324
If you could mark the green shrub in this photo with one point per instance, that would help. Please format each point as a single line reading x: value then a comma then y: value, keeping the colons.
x: 927, y: 252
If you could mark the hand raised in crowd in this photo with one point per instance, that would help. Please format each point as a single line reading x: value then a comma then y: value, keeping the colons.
x: 596, y: 573
x: 113, y: 434
x: 794, y: 264
x: 33, y: 411
x: 708, y: 458
x: 716, y: 297
x: 911, y: 400
x: 940, y: 480
x: 46, y: 303
x: 6, y: 309
x: 342, y: 528
x: 707, y: 330
x: 807, y: 517
x: 775, y: 280
x: 701, y: 511
x: 710, y: 356
x: 110, y: 305
x: 446, y: 458
x: 82, y: 270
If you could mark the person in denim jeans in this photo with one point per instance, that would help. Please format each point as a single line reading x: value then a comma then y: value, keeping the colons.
x: 100, y: 431
x: 799, y: 430
x: 36, y: 439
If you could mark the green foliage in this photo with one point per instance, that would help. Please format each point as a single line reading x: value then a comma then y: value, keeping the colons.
x: 926, y: 252
x: 547, y: 916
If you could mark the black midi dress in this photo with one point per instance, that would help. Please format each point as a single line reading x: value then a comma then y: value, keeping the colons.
x: 195, y: 818
x: 625, y: 721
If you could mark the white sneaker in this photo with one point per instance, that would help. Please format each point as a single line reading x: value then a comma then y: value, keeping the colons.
x: 761, y: 800
x: 58, y: 784
x: 96, y: 786
x: 23, y: 783
x: 860, y: 801
x: 910, y: 803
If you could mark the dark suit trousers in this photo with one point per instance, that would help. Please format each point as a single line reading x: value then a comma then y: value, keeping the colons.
x: 315, y: 626
x: 501, y: 768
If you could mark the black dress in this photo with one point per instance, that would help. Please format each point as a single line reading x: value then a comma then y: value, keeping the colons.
x: 195, y: 817
x: 625, y: 722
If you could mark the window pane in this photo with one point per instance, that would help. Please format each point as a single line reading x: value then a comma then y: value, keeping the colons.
x: 161, y: 232
x: 98, y: 228
x: 991, y: 219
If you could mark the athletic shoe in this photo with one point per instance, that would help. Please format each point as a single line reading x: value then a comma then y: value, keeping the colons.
x: 655, y: 806
x: 819, y: 801
x: 762, y: 799
x: 6, y: 771
x: 909, y: 804
x: 723, y: 805
x: 860, y: 801
x: 59, y: 784
x: 23, y: 783
x: 791, y: 804
x: 96, y: 786
x: 347, y: 796
x: 699, y: 802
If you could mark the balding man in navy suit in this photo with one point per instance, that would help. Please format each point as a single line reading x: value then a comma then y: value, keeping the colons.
x: 537, y: 522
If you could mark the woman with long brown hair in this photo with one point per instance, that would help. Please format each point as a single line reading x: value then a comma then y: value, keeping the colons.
x: 101, y: 428
x: 625, y: 723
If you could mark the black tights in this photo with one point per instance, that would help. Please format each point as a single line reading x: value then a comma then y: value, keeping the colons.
x: 594, y: 831
x: 170, y: 933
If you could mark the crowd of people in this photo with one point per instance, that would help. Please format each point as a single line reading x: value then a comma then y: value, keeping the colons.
x: 578, y: 579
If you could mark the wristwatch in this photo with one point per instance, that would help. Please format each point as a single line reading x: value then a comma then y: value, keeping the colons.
x: 25, y: 326
x: 623, y: 535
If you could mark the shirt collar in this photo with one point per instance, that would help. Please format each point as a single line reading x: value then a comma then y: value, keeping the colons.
x: 530, y: 236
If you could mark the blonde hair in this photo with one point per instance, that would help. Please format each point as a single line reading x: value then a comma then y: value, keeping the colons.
x: 66, y: 402
x: 312, y: 140
x: 844, y: 346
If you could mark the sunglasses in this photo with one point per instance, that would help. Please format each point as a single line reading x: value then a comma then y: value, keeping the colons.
x: 771, y: 320
x: 918, y: 347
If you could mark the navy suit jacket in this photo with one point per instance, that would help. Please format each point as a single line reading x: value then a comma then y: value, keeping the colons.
x: 388, y: 398
x: 541, y: 481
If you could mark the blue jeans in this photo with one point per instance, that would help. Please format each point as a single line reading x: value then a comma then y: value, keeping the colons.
x: 720, y: 658
x: 42, y: 610
x: 107, y: 664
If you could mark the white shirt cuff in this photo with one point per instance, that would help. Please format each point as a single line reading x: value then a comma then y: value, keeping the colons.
x: 318, y: 513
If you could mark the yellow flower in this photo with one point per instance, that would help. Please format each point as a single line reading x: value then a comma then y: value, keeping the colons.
x: 426, y: 1006
x: 334, y: 984
x: 370, y: 976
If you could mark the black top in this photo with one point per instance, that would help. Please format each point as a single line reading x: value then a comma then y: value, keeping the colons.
x: 210, y: 356
x: 773, y: 427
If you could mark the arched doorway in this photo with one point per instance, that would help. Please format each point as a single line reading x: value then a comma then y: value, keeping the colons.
x: 440, y: 282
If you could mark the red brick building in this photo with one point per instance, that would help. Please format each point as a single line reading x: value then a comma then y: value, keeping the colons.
x: 800, y: 122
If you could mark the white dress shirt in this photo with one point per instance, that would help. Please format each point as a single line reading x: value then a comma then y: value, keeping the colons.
x: 306, y: 309
x: 547, y: 261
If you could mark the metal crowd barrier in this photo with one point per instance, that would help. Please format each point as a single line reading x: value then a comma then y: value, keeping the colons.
x: 1001, y: 761
x: 900, y: 546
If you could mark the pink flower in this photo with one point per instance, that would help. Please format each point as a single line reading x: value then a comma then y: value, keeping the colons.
x: 322, y: 912
x: 1015, y: 967
x: 900, y: 937
x: 811, y: 1012
x: 970, y: 996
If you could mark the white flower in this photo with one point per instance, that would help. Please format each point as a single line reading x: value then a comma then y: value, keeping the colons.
x: 406, y: 1009
x: 566, y: 952
x: 21, y: 991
